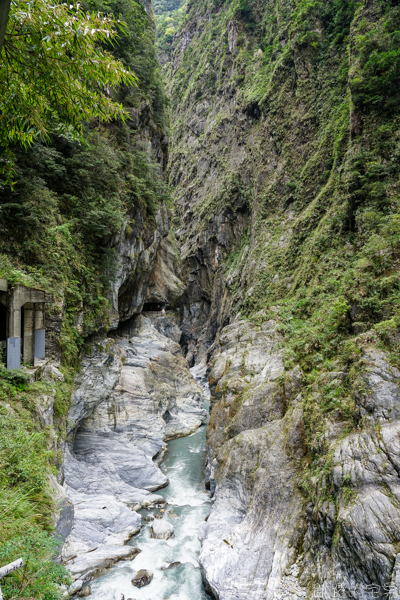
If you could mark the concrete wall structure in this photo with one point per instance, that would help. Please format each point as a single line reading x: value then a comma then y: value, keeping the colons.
x: 24, y: 323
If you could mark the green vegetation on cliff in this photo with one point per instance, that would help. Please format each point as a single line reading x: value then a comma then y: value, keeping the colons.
x: 169, y: 16
x: 28, y: 456
x: 72, y: 200
x: 288, y: 113
x: 53, y: 73
x: 71, y: 197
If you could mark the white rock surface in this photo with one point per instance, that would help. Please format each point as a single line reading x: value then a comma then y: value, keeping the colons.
x: 161, y: 529
x: 264, y: 539
x: 246, y: 539
x: 133, y: 393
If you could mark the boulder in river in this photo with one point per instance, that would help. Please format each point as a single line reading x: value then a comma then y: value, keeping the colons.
x: 91, y: 563
x: 142, y: 578
x: 162, y: 530
x: 85, y: 591
x: 168, y: 565
x: 134, y: 553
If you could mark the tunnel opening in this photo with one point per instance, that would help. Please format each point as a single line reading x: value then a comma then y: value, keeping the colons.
x: 153, y: 307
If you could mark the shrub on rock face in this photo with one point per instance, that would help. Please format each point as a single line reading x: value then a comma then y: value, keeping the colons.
x: 142, y: 578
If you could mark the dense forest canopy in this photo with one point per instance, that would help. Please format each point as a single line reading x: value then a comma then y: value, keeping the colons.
x: 169, y: 16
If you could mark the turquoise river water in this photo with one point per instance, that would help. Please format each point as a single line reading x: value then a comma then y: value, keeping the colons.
x: 188, y: 504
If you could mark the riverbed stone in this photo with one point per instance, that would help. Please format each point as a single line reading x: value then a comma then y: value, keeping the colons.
x: 142, y: 578
x: 162, y: 530
x: 85, y: 591
x: 89, y: 564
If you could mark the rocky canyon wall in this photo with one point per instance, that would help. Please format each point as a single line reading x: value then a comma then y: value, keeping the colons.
x: 133, y: 393
x: 284, y: 160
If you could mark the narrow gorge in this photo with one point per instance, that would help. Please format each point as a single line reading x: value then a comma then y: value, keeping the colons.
x: 199, y: 301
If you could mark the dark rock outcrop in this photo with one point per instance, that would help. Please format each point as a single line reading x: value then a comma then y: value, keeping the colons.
x: 142, y: 578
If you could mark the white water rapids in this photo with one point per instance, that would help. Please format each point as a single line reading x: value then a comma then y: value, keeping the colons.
x: 187, y: 506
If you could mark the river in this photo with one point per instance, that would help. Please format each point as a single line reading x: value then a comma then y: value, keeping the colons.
x: 188, y: 504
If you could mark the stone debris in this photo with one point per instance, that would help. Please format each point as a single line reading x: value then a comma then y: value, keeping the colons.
x: 289, y: 587
x: 85, y: 591
x: 168, y: 565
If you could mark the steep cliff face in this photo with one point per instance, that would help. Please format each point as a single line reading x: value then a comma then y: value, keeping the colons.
x: 256, y: 438
x: 279, y: 528
x: 284, y: 159
x: 83, y: 221
x: 85, y: 217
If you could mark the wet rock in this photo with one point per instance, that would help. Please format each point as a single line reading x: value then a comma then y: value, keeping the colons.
x: 148, y: 519
x: 169, y: 565
x: 142, y: 578
x: 85, y: 591
x: 104, y: 557
x: 118, y: 424
x: 99, y: 521
x: 75, y: 587
x: 162, y: 530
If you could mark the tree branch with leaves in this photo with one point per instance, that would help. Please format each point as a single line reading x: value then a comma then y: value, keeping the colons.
x: 55, y: 73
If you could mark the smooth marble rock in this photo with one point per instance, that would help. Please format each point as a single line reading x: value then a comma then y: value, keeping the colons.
x: 345, y: 538
x: 133, y: 393
x: 161, y: 529
x: 104, y: 557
